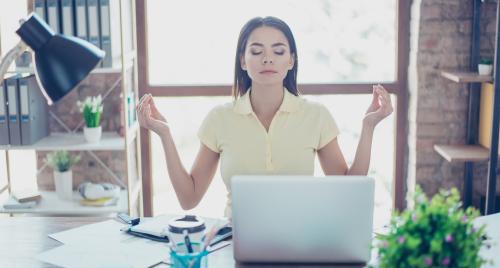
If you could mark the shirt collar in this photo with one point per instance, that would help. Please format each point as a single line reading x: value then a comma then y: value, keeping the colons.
x: 290, y: 103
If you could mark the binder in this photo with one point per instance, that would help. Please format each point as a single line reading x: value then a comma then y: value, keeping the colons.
x: 13, y: 110
x: 93, y: 22
x: 110, y: 32
x: 41, y: 9
x: 128, y: 44
x: 53, y: 15
x: 105, y: 31
x: 4, y: 122
x: 81, y: 19
x: 67, y: 17
x: 34, y: 111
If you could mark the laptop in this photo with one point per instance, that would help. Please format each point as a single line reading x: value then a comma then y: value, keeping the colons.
x: 302, y: 219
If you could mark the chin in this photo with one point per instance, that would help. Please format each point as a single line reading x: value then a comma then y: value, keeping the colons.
x: 268, y: 82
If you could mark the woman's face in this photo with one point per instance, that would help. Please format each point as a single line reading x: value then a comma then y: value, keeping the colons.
x: 267, y: 57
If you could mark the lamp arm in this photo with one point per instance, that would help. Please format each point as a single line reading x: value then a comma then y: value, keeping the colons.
x: 13, y: 54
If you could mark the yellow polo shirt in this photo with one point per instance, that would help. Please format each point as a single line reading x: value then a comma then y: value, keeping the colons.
x: 298, y: 129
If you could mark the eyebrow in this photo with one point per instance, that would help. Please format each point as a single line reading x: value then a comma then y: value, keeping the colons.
x: 274, y: 45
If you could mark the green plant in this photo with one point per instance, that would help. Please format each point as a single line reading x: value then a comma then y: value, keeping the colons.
x: 436, y: 233
x: 486, y: 61
x: 91, y: 108
x: 61, y: 160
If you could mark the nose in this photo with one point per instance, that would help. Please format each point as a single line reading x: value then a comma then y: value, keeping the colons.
x: 267, y: 60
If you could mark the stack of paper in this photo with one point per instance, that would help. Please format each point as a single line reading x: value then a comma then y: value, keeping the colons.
x: 104, y: 245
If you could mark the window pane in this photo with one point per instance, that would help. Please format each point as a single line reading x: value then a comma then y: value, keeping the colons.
x: 339, y: 41
x: 10, y: 14
x: 185, y: 126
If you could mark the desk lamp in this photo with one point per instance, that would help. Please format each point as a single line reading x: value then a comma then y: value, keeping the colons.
x: 61, y: 62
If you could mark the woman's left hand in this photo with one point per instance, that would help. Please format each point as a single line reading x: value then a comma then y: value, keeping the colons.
x: 380, y: 108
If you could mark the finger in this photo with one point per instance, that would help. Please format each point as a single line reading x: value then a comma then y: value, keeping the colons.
x: 153, y: 107
x: 383, y: 102
x: 375, y: 95
x: 150, y: 100
x: 143, y: 98
x: 384, y: 93
x: 386, y: 107
x: 147, y: 110
x: 142, y: 101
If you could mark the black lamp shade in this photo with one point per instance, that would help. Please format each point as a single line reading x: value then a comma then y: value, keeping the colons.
x: 61, y: 62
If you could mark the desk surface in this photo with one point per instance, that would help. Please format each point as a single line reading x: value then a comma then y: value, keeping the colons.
x: 22, y: 238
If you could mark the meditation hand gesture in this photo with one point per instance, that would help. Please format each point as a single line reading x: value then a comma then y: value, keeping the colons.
x: 380, y: 108
x: 148, y: 115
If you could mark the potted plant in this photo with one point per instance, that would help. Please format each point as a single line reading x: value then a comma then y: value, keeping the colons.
x: 92, y: 109
x: 436, y: 233
x: 485, y: 66
x: 61, y: 162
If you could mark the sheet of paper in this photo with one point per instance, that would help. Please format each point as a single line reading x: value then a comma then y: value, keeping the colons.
x: 106, y: 231
x: 492, y: 225
x: 493, y: 232
x: 156, y: 226
x: 104, y: 245
x: 137, y: 254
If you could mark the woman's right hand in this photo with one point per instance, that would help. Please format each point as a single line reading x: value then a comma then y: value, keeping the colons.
x: 148, y: 115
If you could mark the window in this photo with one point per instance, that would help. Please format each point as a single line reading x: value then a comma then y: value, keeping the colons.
x: 348, y: 111
x: 344, y: 47
x: 339, y: 41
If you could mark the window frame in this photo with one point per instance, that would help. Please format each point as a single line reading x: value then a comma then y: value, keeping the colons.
x: 399, y: 88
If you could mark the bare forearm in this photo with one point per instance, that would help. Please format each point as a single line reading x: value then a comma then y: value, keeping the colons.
x: 361, y: 162
x: 181, y: 180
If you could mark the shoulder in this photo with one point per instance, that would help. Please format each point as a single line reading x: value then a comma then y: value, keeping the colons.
x: 220, y: 110
x: 313, y: 107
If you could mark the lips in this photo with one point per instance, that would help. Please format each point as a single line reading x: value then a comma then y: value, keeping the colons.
x: 268, y: 72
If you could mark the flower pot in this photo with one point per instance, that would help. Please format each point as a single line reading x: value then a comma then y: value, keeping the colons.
x: 93, y: 134
x: 484, y: 69
x: 63, y: 182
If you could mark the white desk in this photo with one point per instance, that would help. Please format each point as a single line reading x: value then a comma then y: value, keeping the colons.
x: 22, y: 238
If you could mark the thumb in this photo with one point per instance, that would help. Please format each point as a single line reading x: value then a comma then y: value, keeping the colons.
x: 152, y: 104
x: 375, y: 98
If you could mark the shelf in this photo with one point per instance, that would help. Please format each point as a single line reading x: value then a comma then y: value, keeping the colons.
x: 110, y: 141
x: 100, y: 70
x: 51, y: 204
x: 135, y: 194
x: 466, y: 77
x: 132, y: 132
x: 462, y: 153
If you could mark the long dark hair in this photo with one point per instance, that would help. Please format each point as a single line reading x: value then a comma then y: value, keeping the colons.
x: 241, y: 79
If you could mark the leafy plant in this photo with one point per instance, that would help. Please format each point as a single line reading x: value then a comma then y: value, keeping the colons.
x: 486, y: 61
x: 91, y: 108
x: 61, y: 160
x: 436, y: 233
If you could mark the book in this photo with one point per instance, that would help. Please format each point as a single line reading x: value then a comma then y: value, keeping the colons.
x: 27, y: 195
x: 101, y: 202
x: 157, y: 226
x: 12, y: 203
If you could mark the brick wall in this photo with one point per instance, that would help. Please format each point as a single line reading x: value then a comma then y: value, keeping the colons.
x: 440, y: 38
x: 88, y: 168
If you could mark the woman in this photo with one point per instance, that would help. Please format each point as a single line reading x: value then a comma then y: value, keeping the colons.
x: 268, y: 128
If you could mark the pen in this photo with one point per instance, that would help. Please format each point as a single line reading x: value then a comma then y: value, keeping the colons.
x: 187, y: 241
